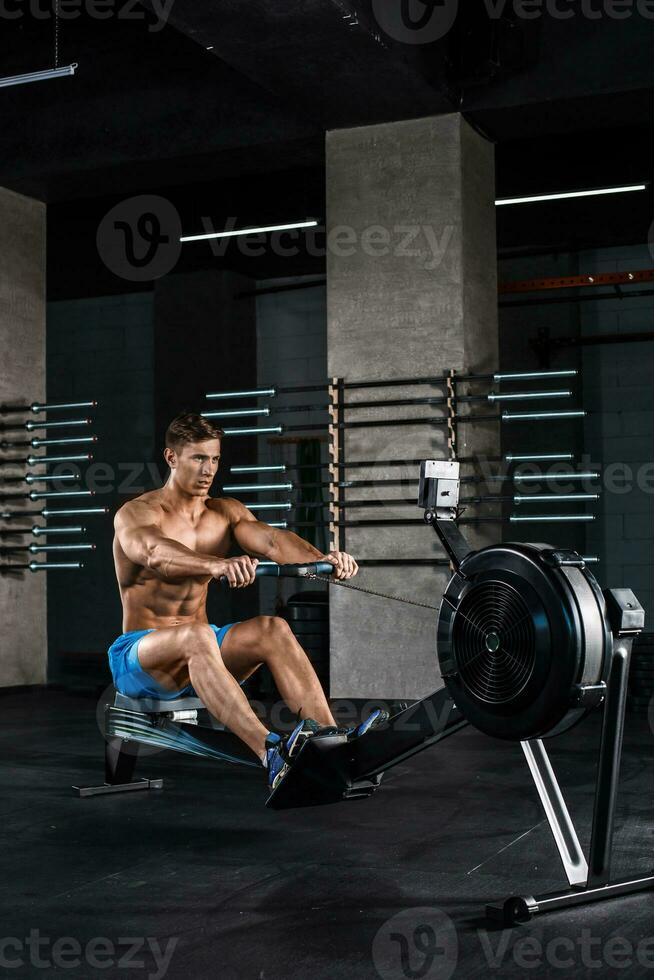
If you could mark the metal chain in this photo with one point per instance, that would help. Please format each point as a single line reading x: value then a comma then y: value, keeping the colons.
x: 382, y: 595
x: 56, y: 37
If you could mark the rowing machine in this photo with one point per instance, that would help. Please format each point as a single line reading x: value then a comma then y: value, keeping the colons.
x: 528, y: 645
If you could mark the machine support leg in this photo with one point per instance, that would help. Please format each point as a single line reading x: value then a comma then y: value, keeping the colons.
x: 608, y: 770
x: 119, y: 760
x: 598, y: 886
x: 120, y: 757
x: 556, y: 811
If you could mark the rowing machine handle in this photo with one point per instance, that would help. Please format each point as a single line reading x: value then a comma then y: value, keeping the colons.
x: 293, y: 571
x: 272, y: 569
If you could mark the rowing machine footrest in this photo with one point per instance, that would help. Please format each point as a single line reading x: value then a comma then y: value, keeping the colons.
x: 321, y: 773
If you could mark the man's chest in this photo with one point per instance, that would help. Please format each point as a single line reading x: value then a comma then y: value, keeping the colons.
x: 211, y: 535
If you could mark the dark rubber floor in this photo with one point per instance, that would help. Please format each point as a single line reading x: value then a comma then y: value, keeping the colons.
x: 391, y: 887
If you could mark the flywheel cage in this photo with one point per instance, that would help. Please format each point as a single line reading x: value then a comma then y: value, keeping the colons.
x: 494, y: 642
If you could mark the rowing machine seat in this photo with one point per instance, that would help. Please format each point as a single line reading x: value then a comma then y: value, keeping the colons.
x: 153, y: 706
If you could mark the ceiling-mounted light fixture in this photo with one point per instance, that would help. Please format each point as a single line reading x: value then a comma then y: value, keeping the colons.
x: 563, y: 195
x: 38, y: 76
x: 312, y: 223
x: 48, y: 73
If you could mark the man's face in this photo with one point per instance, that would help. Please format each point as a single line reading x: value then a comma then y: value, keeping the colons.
x: 195, y: 466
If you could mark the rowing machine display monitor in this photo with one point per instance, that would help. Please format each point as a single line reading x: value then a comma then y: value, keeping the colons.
x: 439, y: 487
x: 438, y: 496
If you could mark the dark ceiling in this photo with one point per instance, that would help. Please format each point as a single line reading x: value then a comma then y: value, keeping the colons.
x: 223, y: 110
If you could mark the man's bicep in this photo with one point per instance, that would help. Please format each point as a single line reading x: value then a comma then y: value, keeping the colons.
x: 137, y: 534
x: 254, y: 536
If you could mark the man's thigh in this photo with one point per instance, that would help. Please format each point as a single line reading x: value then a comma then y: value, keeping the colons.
x: 242, y: 647
x: 163, y: 654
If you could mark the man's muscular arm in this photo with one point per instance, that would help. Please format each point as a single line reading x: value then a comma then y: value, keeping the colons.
x: 276, y: 544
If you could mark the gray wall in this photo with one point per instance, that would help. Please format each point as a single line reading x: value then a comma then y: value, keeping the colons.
x: 23, y: 652
x: 404, y: 308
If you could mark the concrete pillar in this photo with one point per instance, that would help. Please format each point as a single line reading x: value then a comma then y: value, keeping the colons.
x: 23, y: 648
x: 411, y: 292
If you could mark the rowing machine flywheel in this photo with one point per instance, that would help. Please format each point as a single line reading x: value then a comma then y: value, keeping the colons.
x: 524, y: 640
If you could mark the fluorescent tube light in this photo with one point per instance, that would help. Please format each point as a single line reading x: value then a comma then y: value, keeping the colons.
x: 38, y: 76
x: 249, y: 231
x: 561, y: 196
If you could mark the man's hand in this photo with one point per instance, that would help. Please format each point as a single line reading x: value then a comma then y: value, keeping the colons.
x: 344, y: 564
x: 239, y: 572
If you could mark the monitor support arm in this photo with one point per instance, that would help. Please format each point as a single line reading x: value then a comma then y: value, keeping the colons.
x: 439, y: 498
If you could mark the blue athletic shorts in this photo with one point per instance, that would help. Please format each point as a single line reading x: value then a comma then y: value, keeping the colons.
x: 130, y: 678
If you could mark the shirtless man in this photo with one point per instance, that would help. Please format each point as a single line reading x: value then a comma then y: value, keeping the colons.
x: 169, y: 545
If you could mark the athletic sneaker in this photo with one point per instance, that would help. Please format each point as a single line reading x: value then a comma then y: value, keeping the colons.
x: 378, y: 718
x: 281, y: 751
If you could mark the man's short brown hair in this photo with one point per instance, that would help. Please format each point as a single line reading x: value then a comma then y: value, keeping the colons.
x: 189, y: 427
